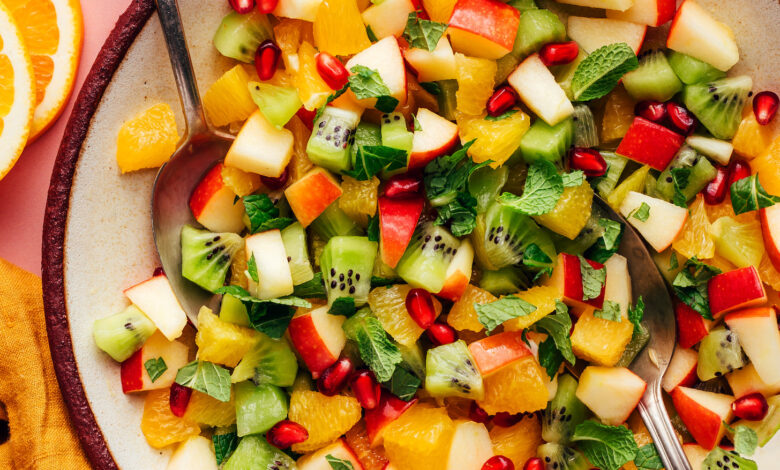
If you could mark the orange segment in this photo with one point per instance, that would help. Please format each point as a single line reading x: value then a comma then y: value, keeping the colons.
x: 519, y: 441
x: 571, y: 213
x: 389, y: 306
x: 695, y: 239
x: 228, y: 100
x: 288, y: 34
x: 161, y: 427
x: 768, y: 167
x: 475, y: 83
x: 517, y: 388
x: 751, y: 139
x: 325, y: 418
x: 495, y: 140
x: 439, y: 10
x: 240, y: 182
x: 359, y: 198
x: 208, y: 411
x: 462, y: 315
x: 420, y: 438
x: 148, y: 140
x: 339, y: 28
x: 312, y: 90
x: 618, y: 115
x: 299, y: 163
x: 543, y: 297
x: 600, y: 341
x: 372, y: 458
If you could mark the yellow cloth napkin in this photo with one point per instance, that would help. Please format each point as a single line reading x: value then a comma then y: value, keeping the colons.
x: 41, y: 437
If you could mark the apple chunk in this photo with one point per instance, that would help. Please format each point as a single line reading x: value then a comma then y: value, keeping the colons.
x: 135, y: 375
x: 703, y: 413
x: 436, y: 137
x: 649, y: 12
x: 691, y: 326
x: 432, y: 66
x: 620, y: 5
x: 759, y: 337
x: 470, y: 446
x: 300, y: 9
x: 312, y: 194
x: 664, y: 219
x: 458, y: 273
x: 214, y: 204
x: 682, y: 370
x: 770, y: 228
x: 196, y: 453
x: 493, y: 353
x: 746, y: 380
x: 593, y: 33
x: 567, y: 279
x: 650, y: 144
x: 156, y: 299
x: 611, y: 393
x: 740, y: 288
x: 388, y: 410
x: 260, y: 147
x: 397, y: 221
x: 388, y: 18
x: 483, y: 28
x: 274, y: 278
x: 318, y: 338
x: 319, y: 460
x: 696, y: 33
x: 384, y: 57
x: 538, y: 89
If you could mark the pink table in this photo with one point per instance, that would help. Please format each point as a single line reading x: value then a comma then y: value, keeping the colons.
x: 23, y: 191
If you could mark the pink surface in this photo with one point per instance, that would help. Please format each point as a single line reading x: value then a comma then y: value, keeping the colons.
x: 23, y: 191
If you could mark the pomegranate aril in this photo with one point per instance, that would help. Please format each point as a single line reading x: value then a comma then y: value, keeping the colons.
x: 680, y: 117
x: 179, y: 399
x: 501, y: 100
x: 715, y: 191
x: 335, y: 377
x: 286, y: 433
x: 276, y: 183
x: 751, y: 407
x: 559, y: 53
x: 306, y: 116
x: 402, y: 185
x: 498, y: 462
x: 242, y: 6
x: 534, y: 463
x: 158, y: 271
x: 441, y: 334
x: 477, y: 414
x: 765, y: 106
x: 651, y: 110
x: 366, y: 389
x: 419, y: 304
x: 267, y: 6
x: 589, y: 161
x: 267, y: 59
x: 737, y: 171
x: 332, y: 71
x: 504, y: 419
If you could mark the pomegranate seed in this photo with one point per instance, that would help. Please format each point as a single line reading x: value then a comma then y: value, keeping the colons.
x: 505, y: 419
x: 332, y: 70
x: 752, y: 407
x: 402, y: 185
x: 559, y: 53
x: 242, y: 6
x: 737, y: 171
x: 477, y: 414
x: 534, y: 463
x: 651, y: 110
x: 179, y: 399
x: 266, y: 59
x: 765, y: 106
x: 680, y: 117
x: 267, y: 6
x: 335, y: 377
x: 715, y: 191
x: 501, y: 100
x: 286, y: 433
x: 366, y: 389
x: 498, y: 462
x: 276, y: 183
x: 306, y: 116
x: 158, y: 271
x: 441, y: 334
x: 589, y: 161
x: 420, y: 307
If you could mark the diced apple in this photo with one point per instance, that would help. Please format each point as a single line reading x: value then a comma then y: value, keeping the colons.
x: 493, y: 353
x: 432, y: 66
x: 650, y: 144
x: 388, y: 410
x: 384, y: 56
x: 617, y: 287
x: 318, y: 338
x: 196, y: 453
x: 703, y: 413
x: 273, y: 269
x: 682, y: 369
x: 397, y: 221
x: 696, y: 33
x: 732, y: 290
x: 648, y: 12
x: 695, y: 454
x: 214, y: 204
x: 318, y: 460
x: 611, y: 393
x: 483, y: 28
x: 538, y: 89
x: 691, y: 326
x: 156, y: 299
x: 311, y: 195
x: 593, y: 33
x: 388, y: 18
x: 620, y: 5
x: 470, y: 446
x: 436, y: 137
x: 567, y: 279
x: 759, y: 337
x: 261, y: 148
x: 134, y: 375
x: 746, y: 380
x: 770, y: 227
x: 458, y: 272
x: 663, y: 223
x: 300, y: 9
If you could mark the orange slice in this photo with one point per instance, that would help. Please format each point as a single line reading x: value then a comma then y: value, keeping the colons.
x: 53, y: 32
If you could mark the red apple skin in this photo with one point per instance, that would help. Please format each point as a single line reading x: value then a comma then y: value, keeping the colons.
x: 666, y: 10
x: 213, y: 203
x: 131, y: 372
x: 494, y: 352
x: 770, y: 228
x: 210, y: 184
x: 705, y: 426
x: 491, y: 19
x: 686, y: 360
x: 691, y: 326
x: 567, y: 276
x: 397, y: 221
x: 735, y: 289
x: 312, y: 194
x: 454, y: 287
x: 388, y: 410
x: 650, y: 144
x: 310, y: 346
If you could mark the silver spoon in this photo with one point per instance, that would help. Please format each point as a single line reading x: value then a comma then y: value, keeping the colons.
x: 652, y: 361
x: 200, y: 148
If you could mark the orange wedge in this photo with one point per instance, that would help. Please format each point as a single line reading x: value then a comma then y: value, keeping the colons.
x: 53, y: 32
x: 17, y: 92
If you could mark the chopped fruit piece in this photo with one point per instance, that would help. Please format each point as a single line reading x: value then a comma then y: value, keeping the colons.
x: 273, y: 269
x: 495, y: 140
x: 618, y: 115
x: 470, y: 446
x: 386, y: 59
x: 432, y: 66
x: 339, y: 28
x: 462, y: 315
x: 240, y: 182
x: 318, y: 338
x: 260, y: 147
x: 663, y: 222
x: 567, y: 279
x: 542, y: 297
x: 195, y: 452
x: 483, y: 28
x: 736, y: 289
x: 320, y: 460
x: 475, y: 83
x: 222, y: 342
x: 518, y: 441
x: 357, y: 439
x: 325, y: 418
x: 397, y: 221
x: 420, y: 438
x: 759, y: 337
x: 610, y: 5
x: 703, y: 413
x: 682, y: 370
x: 571, y: 213
x: 214, y: 204
x: 751, y: 139
x: 458, y: 272
x: 312, y: 90
x: 435, y: 137
x: 650, y: 144
x: 538, y: 89
x: 593, y: 33
x: 312, y: 194
x: 746, y: 380
x: 155, y: 298
x: 388, y: 18
x: 228, y: 99
x: 770, y: 229
x: 649, y: 12
x: 766, y: 167
x: 518, y: 388
x: 148, y: 140
x: 160, y: 427
x: 696, y: 33
x: 208, y: 411
x: 765, y: 106
x: 389, y: 306
x: 135, y: 375
x: 389, y: 409
x: 359, y: 198
x: 695, y: 239
x: 300, y: 9
x: 691, y: 326
x: 299, y: 163
x: 439, y: 10
x: 497, y: 351
x: 611, y: 393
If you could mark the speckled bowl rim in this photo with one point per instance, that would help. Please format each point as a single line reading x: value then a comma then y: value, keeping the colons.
x: 111, y: 55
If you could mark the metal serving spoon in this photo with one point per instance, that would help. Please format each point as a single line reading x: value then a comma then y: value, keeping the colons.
x: 652, y: 361
x: 200, y: 148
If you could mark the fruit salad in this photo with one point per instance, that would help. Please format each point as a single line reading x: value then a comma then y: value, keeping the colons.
x: 412, y: 267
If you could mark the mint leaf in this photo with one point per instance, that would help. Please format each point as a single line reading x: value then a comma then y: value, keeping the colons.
x: 690, y: 285
x: 262, y: 214
x: 606, y: 447
x: 745, y: 440
x: 382, y: 281
x: 243, y: 295
x: 558, y: 325
x: 403, y: 384
x: 600, y: 72
x: 506, y: 308
x: 371, y: 36
x: 343, y: 306
x: 536, y: 258
x: 460, y: 213
x: 155, y: 368
x: 330, y: 98
x: 224, y: 445
x: 372, y: 231
x: 375, y: 348
x: 592, y: 279
x: 252, y: 268
x: 641, y: 213
x: 609, y: 311
x: 269, y: 316
x: 500, y: 117
x: 647, y: 458
x: 417, y: 125
x: 748, y: 195
x: 609, y: 242
x: 543, y: 188
x: 680, y: 180
x: 206, y: 377
x: 372, y: 159
x: 431, y: 87
x: 573, y: 179
x: 313, y: 289
x: 549, y: 356
x: 367, y: 83
x: 423, y: 34
x: 386, y: 104
x: 339, y: 464
x: 636, y: 314
x: 673, y: 263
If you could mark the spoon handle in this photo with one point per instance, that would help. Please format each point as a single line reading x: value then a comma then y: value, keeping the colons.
x: 170, y: 20
x: 653, y: 413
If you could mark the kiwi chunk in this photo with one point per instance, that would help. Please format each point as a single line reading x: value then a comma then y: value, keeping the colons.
x: 767, y: 427
x: 238, y: 36
x: 426, y: 259
x: 485, y: 184
x: 258, y: 408
x: 720, y: 459
x: 332, y: 137
x: 278, y: 104
x: 366, y: 133
x: 543, y: 141
x: 294, y: 239
x: 718, y: 104
x: 446, y: 98
x: 690, y: 70
x: 719, y: 354
x: 565, y: 73
x: 123, y: 333
x: 559, y: 457
x: 504, y: 281
x: 564, y: 412
x: 347, y: 263
x: 333, y: 222
x: 206, y: 256
x: 615, y: 166
x: 536, y: 28
x: 585, y: 132
x: 700, y: 173
x: 255, y: 452
x: 450, y: 371
x: 271, y: 361
x: 508, y: 233
x: 394, y: 132
x: 233, y: 311
x: 654, y: 79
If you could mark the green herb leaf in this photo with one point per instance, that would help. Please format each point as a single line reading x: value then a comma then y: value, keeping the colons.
x: 262, y: 214
x: 423, y: 34
x: 329, y: 100
x: 460, y: 213
x: 549, y: 356
x: 403, y: 384
x: 386, y: 104
x: 573, y: 179
x: 371, y: 36
x: 506, y: 308
x: 269, y: 316
x: 536, y: 258
x: 636, y: 314
x: 243, y: 295
x: 641, y: 213
x: 600, y: 72
x: 343, y: 306
x: 374, y: 346
x: 558, y: 325
x: 690, y: 285
x: 372, y: 231
x: 252, y: 268
x: 382, y: 281
x: 417, y: 125
x: 680, y: 180
x: 543, y: 189
x: 500, y: 117
x: 745, y: 440
x: 224, y: 445
x: 592, y: 279
x: 313, y: 289
x: 372, y: 159
x: 606, y: 447
x: 431, y: 87
x: 339, y: 464
x: 609, y: 242
x: 647, y: 458
x: 609, y: 311
x: 367, y: 83
x: 748, y: 195
x: 206, y: 377
x: 673, y: 263
x: 155, y: 368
